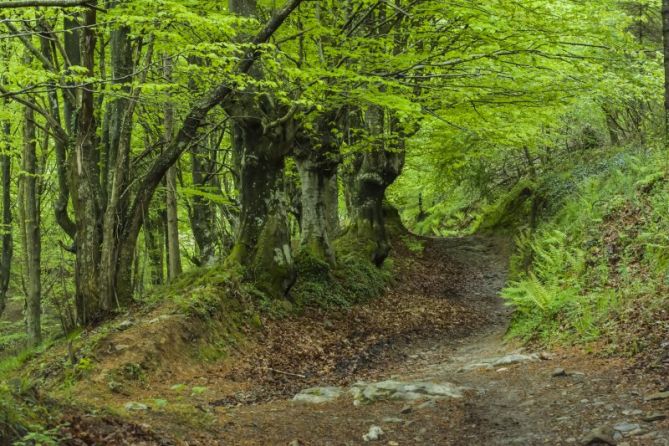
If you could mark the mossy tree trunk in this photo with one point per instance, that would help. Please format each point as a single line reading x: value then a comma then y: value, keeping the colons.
x: 153, y: 242
x: 315, y: 238
x: 317, y: 156
x: 264, y: 132
x: 262, y: 244
x: 99, y: 179
x: 86, y: 189
x: 369, y: 176
x: 116, y: 276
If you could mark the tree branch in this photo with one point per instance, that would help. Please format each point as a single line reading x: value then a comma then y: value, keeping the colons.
x: 45, y: 3
x: 192, y: 123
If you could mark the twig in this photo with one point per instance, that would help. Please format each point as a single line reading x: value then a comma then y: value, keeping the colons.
x: 286, y: 373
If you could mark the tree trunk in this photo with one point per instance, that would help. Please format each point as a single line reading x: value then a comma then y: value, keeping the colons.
x: 173, y: 251
x: 332, y: 205
x: 153, y: 237
x: 71, y: 43
x: 30, y: 221
x: 367, y: 223
x: 263, y: 133
x: 87, y: 191
x: 203, y: 216
x: 316, y: 224
x: 665, y: 34
x: 7, y: 240
x: 371, y: 174
x: 116, y: 288
x: 317, y: 156
x: 263, y: 238
x: 60, y: 146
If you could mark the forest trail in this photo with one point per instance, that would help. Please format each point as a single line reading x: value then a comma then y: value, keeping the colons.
x: 440, y: 373
x: 508, y: 396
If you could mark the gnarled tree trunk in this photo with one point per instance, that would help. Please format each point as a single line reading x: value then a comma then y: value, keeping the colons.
x: 264, y: 134
x: 317, y: 157
x: 370, y: 175
x: 262, y: 245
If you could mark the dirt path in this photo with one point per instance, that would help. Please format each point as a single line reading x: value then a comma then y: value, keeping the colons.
x: 509, y: 397
x: 426, y: 365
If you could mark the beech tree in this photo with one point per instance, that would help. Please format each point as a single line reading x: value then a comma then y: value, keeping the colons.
x: 166, y: 135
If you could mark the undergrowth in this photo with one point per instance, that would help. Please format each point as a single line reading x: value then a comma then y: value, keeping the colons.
x: 220, y: 310
x: 23, y: 417
x: 597, y: 268
x: 353, y: 281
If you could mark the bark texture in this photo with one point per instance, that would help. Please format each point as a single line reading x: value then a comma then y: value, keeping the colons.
x: 264, y: 134
x: 86, y: 190
x: 30, y: 228
x: 370, y: 175
x: 203, y: 213
x: 262, y: 244
x: 173, y: 251
x: 7, y: 240
x: 317, y: 156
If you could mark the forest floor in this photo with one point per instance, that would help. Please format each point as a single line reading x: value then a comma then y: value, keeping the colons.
x: 425, y: 365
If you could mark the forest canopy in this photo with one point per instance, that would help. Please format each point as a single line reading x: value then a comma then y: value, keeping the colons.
x: 141, y: 138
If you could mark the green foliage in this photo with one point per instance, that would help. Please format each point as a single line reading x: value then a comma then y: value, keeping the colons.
x: 22, y: 416
x: 600, y: 254
x: 414, y: 245
x: 40, y: 438
x: 549, y: 301
x: 133, y: 372
x: 198, y: 390
x: 510, y: 213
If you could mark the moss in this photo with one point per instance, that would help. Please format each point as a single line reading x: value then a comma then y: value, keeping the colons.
x: 511, y: 212
x: 22, y: 414
x: 270, y: 265
x: 353, y: 280
x: 351, y: 243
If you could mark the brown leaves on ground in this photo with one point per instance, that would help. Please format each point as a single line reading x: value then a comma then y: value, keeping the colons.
x: 81, y: 430
x: 425, y: 301
x: 442, y: 293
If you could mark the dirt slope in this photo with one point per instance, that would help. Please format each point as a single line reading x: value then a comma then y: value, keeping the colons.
x: 438, y: 331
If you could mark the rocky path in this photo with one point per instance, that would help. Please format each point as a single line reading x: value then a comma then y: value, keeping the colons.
x: 474, y: 389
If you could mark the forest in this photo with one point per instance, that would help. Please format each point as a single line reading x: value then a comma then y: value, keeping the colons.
x: 292, y: 222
